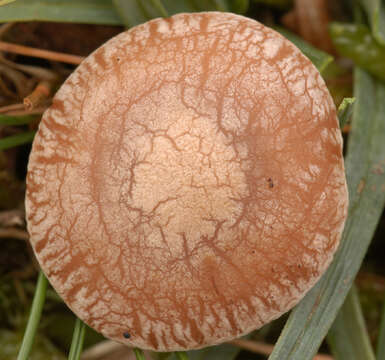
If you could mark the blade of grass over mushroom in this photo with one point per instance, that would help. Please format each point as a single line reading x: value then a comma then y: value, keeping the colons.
x: 381, y: 337
x: 15, y: 120
x: 221, y: 5
x: 277, y: 3
x: 348, y: 337
x: 34, y: 317
x: 16, y: 140
x: 345, y: 111
x: 356, y: 42
x: 181, y: 355
x: 139, y: 354
x: 157, y: 4
x: 73, y: 11
x: 365, y: 168
x: 376, y: 13
x: 239, y: 6
x: 136, y: 12
x: 319, y: 58
x: 77, y: 340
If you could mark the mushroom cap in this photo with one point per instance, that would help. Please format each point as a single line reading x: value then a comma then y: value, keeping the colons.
x: 187, y: 184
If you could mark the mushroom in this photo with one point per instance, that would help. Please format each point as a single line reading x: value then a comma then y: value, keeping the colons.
x: 187, y: 184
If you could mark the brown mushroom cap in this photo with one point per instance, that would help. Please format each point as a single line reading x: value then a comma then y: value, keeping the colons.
x: 187, y: 184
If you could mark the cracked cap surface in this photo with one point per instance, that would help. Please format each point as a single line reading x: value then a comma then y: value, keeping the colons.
x: 187, y: 184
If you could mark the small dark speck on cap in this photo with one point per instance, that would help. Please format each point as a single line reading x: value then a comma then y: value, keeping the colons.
x: 126, y: 335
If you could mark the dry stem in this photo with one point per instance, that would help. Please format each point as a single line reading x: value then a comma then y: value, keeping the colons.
x: 105, y: 347
x: 40, y: 53
x: 38, y: 96
x: 14, y: 233
x: 266, y: 349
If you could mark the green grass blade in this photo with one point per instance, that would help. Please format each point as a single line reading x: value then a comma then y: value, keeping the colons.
x: 239, y: 6
x: 157, y: 4
x: 376, y: 13
x: 131, y: 12
x: 5, y: 2
x: 356, y: 42
x: 77, y: 340
x: 348, y: 337
x: 16, y: 140
x: 221, y: 5
x: 319, y: 58
x: 181, y: 355
x: 34, y: 317
x: 381, y: 337
x: 283, y: 4
x: 15, y: 120
x: 135, y: 12
x: 365, y: 168
x: 139, y: 354
x: 76, y: 11
x: 345, y: 111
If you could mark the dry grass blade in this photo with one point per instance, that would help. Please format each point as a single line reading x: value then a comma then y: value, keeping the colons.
x: 111, y: 350
x: 12, y: 107
x: 313, y: 20
x: 5, y: 27
x: 20, y: 111
x: 36, y: 71
x: 13, y: 233
x: 20, y: 82
x: 40, y: 53
x: 11, y: 218
x: 101, y: 349
x: 266, y: 349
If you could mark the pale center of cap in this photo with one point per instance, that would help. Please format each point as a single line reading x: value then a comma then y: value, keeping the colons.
x: 190, y: 181
x: 184, y: 177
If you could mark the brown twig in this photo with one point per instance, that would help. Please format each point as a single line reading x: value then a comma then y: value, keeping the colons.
x: 12, y: 107
x: 40, y: 53
x: 5, y: 27
x: 38, y: 96
x: 9, y: 218
x: 19, y: 81
x: 313, y: 21
x: 111, y: 350
x: 266, y: 349
x: 36, y: 71
x: 7, y: 92
x: 101, y: 349
x: 37, y: 111
x: 14, y: 234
